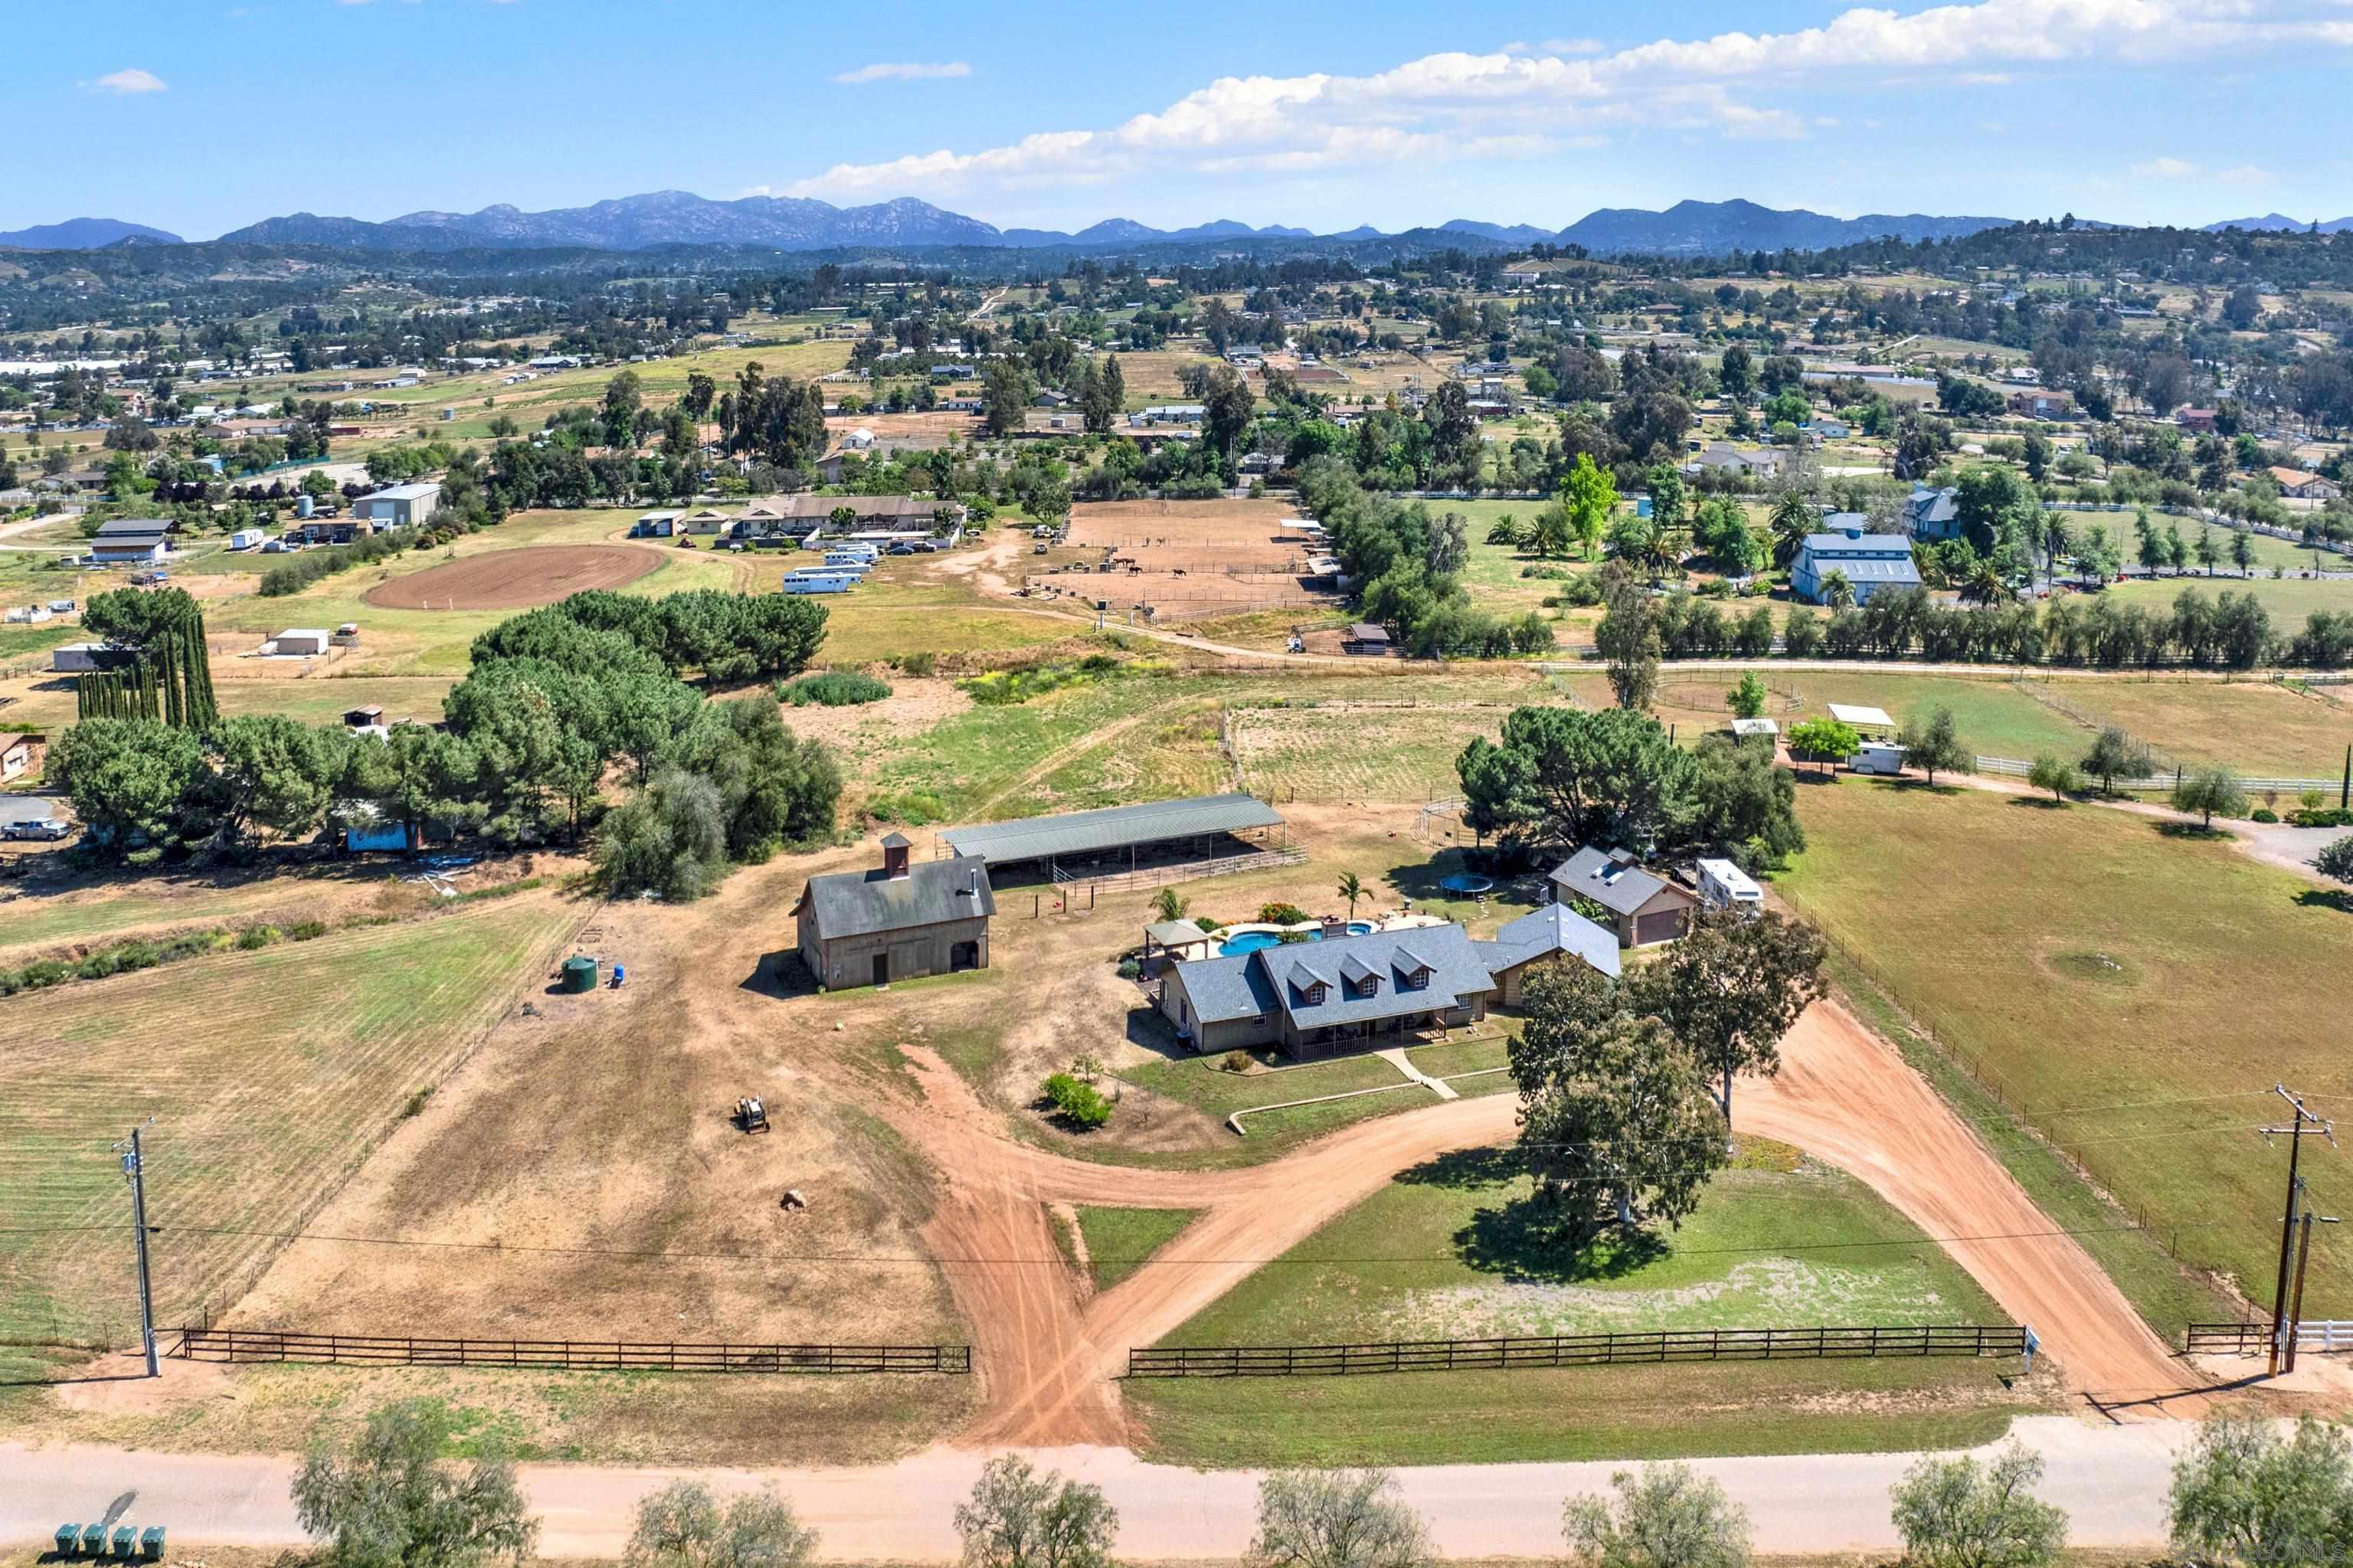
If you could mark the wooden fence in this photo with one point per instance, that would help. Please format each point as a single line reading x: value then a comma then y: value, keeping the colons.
x: 2248, y: 1338
x: 564, y: 1355
x: 1572, y: 1351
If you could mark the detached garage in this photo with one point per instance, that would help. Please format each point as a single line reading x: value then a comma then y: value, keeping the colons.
x: 1645, y: 910
x: 300, y: 640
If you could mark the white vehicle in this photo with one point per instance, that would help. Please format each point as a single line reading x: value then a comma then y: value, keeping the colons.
x: 39, y: 828
x: 1879, y: 756
x: 1723, y: 885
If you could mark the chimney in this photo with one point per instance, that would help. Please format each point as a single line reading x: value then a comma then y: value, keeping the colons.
x: 894, y: 857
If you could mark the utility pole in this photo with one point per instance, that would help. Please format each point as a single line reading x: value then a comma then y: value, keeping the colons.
x: 134, y: 1165
x: 2302, y: 1259
x: 2295, y: 1133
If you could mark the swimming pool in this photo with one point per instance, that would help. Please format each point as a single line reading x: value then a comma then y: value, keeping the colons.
x: 1242, y: 942
x: 1467, y: 881
x: 1256, y: 942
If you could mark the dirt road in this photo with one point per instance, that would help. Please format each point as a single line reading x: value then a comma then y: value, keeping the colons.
x: 1049, y: 1361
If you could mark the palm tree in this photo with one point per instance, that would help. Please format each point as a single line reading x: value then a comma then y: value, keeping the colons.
x: 1168, y: 905
x: 1792, y: 520
x: 1351, y: 889
x: 1984, y: 585
x: 1837, y: 591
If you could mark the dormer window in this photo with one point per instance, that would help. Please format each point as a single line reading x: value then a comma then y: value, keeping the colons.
x: 1417, y: 979
x: 1315, y: 994
x: 1368, y: 986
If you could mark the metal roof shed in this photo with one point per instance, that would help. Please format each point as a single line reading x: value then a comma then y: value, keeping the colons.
x: 1075, y: 833
x: 1858, y: 718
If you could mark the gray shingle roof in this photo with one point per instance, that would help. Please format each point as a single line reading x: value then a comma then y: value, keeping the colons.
x: 1555, y: 928
x: 1116, y: 827
x: 124, y: 529
x: 1273, y: 980
x: 1617, y: 887
x: 854, y: 903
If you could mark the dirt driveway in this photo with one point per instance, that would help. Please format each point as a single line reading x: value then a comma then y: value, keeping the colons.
x: 1050, y: 1361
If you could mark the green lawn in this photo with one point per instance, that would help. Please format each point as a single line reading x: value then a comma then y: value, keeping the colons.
x: 1451, y: 1249
x: 1119, y: 1241
x: 2289, y: 599
x: 1201, y: 1083
x: 1620, y: 1413
x: 2257, y: 727
x: 2137, y: 994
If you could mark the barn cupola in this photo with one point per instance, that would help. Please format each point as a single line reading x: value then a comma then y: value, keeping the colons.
x: 894, y: 857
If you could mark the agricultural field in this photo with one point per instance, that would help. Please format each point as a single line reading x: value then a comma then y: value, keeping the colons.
x: 2176, y: 974
x: 311, y: 1052
x: 1396, y: 750
x: 2288, y: 598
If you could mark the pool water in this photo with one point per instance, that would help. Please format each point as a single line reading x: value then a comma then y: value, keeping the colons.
x: 1467, y: 881
x: 1258, y: 942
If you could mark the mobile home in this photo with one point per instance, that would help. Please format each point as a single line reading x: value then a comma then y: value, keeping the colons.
x: 1723, y: 885
x: 245, y: 538
x: 819, y: 582
x: 1879, y: 756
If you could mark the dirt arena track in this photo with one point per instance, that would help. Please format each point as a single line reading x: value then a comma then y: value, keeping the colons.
x: 516, y: 579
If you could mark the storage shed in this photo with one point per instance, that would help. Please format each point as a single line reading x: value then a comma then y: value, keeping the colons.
x: 300, y: 640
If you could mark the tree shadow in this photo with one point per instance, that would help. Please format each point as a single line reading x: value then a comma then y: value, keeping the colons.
x: 2326, y: 898
x: 1523, y: 1242
x: 2195, y: 831
x: 1524, y: 1239
x: 2039, y: 803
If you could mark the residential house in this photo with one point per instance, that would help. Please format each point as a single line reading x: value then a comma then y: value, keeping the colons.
x: 2042, y: 403
x: 1932, y: 513
x: 708, y: 520
x: 1720, y: 459
x: 132, y: 540
x: 1169, y: 414
x: 402, y: 506
x: 896, y: 922
x: 1870, y: 562
x: 19, y: 755
x: 332, y: 530
x: 1645, y: 910
x: 2200, y: 421
x: 2299, y: 484
x: 1555, y: 931
x: 1315, y: 998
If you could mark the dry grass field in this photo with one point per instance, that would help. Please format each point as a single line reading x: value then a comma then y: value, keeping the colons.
x: 1396, y: 750
x: 1192, y: 560
x: 2137, y: 994
x: 516, y: 579
x: 271, y: 1075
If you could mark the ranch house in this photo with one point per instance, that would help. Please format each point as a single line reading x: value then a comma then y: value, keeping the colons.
x: 1869, y: 562
x: 896, y: 922
x: 1310, y: 999
x: 1542, y: 935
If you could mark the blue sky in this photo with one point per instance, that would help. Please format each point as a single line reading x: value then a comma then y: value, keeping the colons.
x: 199, y: 117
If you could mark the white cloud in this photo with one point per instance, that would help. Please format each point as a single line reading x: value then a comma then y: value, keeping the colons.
x: 1517, y: 102
x: 903, y: 70
x: 1573, y: 46
x: 2244, y: 175
x: 129, y: 82
x: 2166, y: 169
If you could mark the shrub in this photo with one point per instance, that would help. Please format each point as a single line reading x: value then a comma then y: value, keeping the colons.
x: 2264, y: 814
x: 253, y: 936
x: 1076, y: 1103
x: 1130, y: 970
x: 1207, y: 922
x: 1282, y: 913
x: 916, y: 664
x: 1235, y: 1061
x: 2332, y: 817
x: 304, y: 930
x: 834, y: 689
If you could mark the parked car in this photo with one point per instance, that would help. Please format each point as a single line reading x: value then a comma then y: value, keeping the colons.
x: 38, y: 828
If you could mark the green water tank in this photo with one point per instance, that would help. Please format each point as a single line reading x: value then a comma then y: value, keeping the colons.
x: 579, y: 974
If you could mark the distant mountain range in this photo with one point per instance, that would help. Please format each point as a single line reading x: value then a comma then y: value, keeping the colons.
x: 84, y: 233
x: 2274, y: 223
x: 785, y: 223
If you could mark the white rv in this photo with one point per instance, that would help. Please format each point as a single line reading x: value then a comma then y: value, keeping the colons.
x: 1879, y: 756
x: 1723, y: 885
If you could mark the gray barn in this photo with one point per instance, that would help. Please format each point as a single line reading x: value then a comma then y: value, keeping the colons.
x: 899, y: 921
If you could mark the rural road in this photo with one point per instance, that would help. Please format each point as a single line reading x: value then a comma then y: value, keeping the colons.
x: 2111, y: 1480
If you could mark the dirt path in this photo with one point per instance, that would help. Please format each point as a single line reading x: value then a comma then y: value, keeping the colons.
x: 1843, y: 1094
